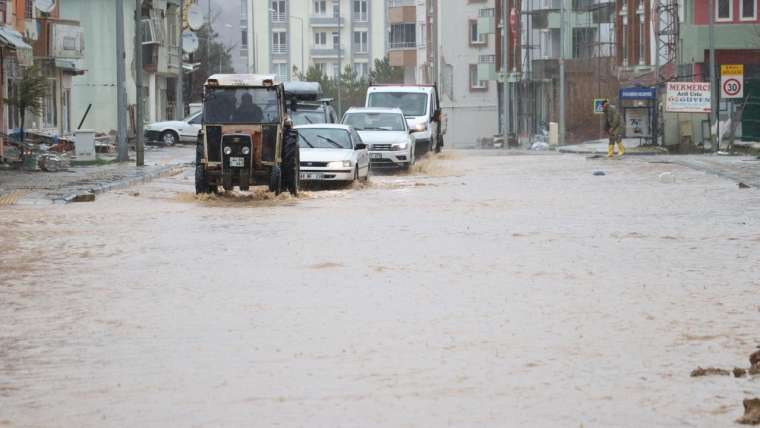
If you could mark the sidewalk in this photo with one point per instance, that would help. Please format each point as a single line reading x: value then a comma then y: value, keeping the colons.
x: 599, y: 147
x: 44, y: 188
x: 741, y: 169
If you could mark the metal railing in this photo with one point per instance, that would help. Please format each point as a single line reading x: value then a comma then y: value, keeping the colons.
x: 402, y: 45
x: 360, y: 17
x: 279, y: 16
x: 487, y: 59
x: 485, y: 13
x: 280, y: 48
x: 397, y: 3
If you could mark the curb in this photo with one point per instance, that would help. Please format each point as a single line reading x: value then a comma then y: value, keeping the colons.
x: 596, y: 152
x: 122, y: 184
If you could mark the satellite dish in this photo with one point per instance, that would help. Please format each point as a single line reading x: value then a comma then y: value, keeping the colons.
x: 189, y: 42
x: 45, y: 6
x: 195, y: 18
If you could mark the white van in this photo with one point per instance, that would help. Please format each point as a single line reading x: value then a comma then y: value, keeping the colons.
x: 421, y: 108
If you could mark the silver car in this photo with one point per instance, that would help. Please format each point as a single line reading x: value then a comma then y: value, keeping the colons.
x: 386, y: 133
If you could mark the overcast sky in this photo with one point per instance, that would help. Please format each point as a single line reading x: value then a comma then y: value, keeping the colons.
x: 228, y: 25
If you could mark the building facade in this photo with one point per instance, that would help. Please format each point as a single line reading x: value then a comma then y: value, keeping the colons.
x: 286, y: 37
x: 469, y: 101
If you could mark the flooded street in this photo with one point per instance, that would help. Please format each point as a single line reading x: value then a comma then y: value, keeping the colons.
x: 478, y: 290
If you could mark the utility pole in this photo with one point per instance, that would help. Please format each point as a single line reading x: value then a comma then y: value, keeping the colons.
x: 561, y: 73
x: 714, y: 117
x: 179, y: 113
x: 340, y: 65
x: 505, y: 69
x: 121, y: 91
x: 139, y: 137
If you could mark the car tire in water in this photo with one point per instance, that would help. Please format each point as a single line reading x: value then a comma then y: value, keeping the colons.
x: 201, y: 181
x: 169, y: 138
x: 291, y: 170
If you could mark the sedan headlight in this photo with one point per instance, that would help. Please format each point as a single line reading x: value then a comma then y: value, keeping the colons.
x: 340, y: 164
x: 227, y: 150
x: 401, y: 146
x: 421, y: 127
x: 246, y: 150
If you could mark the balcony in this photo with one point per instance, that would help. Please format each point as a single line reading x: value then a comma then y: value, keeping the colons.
x: 361, y: 18
x: 487, y: 21
x: 325, y: 21
x: 326, y: 52
x: 403, y: 57
x: 402, y: 14
x: 487, y: 67
x: 280, y: 49
x: 279, y: 17
x: 360, y: 49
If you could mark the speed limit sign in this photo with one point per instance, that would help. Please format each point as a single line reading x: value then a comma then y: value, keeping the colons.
x: 732, y: 81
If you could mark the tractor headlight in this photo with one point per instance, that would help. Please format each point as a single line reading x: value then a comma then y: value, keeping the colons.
x: 340, y: 164
x: 246, y: 150
x: 401, y: 146
x: 227, y: 150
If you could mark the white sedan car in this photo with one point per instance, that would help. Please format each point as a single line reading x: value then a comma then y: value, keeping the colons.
x: 175, y: 131
x: 332, y: 152
x: 386, y: 134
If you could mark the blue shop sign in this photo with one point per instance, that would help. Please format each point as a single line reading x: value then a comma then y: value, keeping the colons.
x: 638, y: 93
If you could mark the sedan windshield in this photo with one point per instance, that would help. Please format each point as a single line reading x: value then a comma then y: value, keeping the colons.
x: 241, y: 105
x: 411, y: 103
x: 324, y: 138
x: 306, y: 117
x: 375, y: 121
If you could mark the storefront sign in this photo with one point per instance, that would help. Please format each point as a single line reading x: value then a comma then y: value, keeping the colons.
x: 688, y: 97
x: 638, y: 93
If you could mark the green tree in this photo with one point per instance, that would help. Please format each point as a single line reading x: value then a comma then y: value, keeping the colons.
x: 384, y: 72
x: 30, y: 91
x: 213, y: 56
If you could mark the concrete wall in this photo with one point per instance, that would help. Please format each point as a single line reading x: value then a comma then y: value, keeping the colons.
x: 470, y: 114
x: 98, y: 84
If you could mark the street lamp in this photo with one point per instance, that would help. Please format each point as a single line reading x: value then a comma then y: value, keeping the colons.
x: 303, y: 41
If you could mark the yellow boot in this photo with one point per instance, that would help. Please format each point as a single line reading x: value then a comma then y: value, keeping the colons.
x: 621, y: 150
x: 611, y: 151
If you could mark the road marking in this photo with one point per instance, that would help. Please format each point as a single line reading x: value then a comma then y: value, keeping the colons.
x: 12, y: 197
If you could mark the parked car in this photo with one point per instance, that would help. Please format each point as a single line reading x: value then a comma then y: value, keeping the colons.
x: 386, y: 133
x: 421, y: 108
x: 306, y: 106
x: 332, y: 152
x: 174, y: 131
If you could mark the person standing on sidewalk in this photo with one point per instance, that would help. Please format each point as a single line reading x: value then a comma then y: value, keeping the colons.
x: 613, y: 124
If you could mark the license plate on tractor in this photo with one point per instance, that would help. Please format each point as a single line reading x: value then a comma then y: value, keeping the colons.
x: 237, y: 162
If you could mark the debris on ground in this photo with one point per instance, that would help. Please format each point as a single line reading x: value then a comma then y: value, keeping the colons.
x: 53, y: 162
x: 743, y: 186
x: 709, y: 371
x: 740, y: 372
x: 754, y: 358
x: 599, y: 173
x: 84, y: 197
x: 594, y: 157
x: 751, y: 412
x: 667, y: 177
x: 539, y: 146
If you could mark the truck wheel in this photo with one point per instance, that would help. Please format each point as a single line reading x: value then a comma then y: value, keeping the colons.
x: 291, y: 162
x: 201, y: 181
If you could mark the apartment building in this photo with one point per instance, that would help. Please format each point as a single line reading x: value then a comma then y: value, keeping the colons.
x: 412, y: 35
x: 244, y: 51
x: 286, y: 37
x: 468, y: 100
x: 15, y: 54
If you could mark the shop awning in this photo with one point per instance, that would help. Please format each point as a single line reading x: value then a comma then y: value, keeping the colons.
x: 12, y: 38
x: 69, y: 66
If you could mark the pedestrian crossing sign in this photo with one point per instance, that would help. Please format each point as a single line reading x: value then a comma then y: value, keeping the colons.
x: 598, y: 105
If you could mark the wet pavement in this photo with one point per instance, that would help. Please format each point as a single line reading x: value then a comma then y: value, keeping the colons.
x: 480, y: 290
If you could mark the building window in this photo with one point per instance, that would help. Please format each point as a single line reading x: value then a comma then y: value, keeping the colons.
x: 279, y: 42
x: 336, y: 39
x: 320, y: 7
x: 475, y: 84
x: 360, y: 42
x: 362, y: 70
x: 475, y: 37
x: 29, y: 9
x: 360, y: 10
x: 724, y: 10
x: 279, y: 11
x: 583, y: 42
x: 321, y: 67
x: 50, y: 107
x: 320, y: 38
x: 244, y: 8
x: 749, y: 10
x: 336, y: 71
x: 403, y: 36
x: 642, y: 41
x: 336, y: 10
x: 281, y: 70
x: 244, y: 37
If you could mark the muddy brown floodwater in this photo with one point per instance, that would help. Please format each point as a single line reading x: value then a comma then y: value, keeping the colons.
x: 478, y: 290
